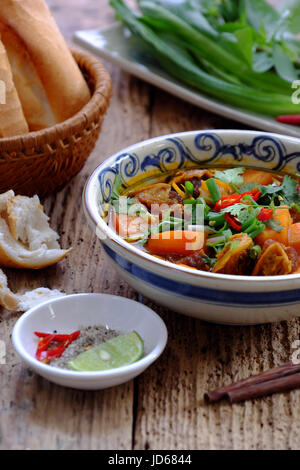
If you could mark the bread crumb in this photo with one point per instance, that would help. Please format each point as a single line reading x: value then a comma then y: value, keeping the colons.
x: 37, y: 296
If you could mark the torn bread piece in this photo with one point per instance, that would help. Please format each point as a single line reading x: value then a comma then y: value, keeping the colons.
x: 22, y: 302
x: 4, y: 198
x: 37, y: 296
x: 26, y: 239
x: 8, y: 299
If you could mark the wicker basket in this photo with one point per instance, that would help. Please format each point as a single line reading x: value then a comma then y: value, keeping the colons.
x: 44, y: 161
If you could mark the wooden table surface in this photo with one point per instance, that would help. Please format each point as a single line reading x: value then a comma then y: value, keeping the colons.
x: 163, y: 408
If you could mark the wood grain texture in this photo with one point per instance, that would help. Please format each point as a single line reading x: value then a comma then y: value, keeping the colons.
x: 163, y: 408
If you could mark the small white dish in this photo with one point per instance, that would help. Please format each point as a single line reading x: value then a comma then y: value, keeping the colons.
x: 67, y: 314
x: 127, y: 52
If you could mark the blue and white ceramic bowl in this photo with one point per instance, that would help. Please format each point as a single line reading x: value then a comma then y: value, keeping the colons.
x: 212, y: 297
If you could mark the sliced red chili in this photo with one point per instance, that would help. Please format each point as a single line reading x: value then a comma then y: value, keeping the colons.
x: 57, y: 352
x: 43, y: 346
x: 293, y: 119
x: 56, y: 336
x: 255, y: 195
x: 45, y: 354
x: 228, y: 201
x: 233, y: 222
x: 265, y: 214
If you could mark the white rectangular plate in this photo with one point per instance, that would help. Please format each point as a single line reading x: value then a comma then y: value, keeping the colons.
x: 118, y: 46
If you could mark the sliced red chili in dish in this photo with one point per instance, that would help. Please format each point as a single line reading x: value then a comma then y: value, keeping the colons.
x: 265, y: 214
x: 233, y: 222
x: 43, y: 346
x: 228, y: 201
x: 44, y: 354
x: 57, y: 337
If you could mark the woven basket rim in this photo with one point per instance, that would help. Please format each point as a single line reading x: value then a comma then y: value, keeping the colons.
x: 100, y: 98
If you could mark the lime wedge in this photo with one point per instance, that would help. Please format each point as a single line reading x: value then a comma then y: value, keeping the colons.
x: 116, y: 352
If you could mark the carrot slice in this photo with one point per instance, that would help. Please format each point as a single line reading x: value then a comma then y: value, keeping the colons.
x: 257, y: 176
x: 294, y: 236
x: 281, y: 215
x: 177, y: 242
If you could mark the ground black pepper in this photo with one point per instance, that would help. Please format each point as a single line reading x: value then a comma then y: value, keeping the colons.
x: 90, y: 336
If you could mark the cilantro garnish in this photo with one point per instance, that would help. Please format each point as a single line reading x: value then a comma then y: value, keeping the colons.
x: 289, y: 190
x: 231, y: 176
x: 242, y: 212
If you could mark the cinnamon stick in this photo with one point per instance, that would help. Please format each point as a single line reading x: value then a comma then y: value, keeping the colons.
x: 278, y: 379
x: 282, y: 384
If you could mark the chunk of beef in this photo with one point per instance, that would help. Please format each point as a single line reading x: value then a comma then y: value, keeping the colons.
x: 194, y: 260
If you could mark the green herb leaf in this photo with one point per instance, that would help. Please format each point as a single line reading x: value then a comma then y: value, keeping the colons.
x: 231, y: 176
x: 210, y: 261
x: 291, y: 10
x: 283, y: 64
x: 274, y: 225
x: 289, y: 190
x: 243, y: 212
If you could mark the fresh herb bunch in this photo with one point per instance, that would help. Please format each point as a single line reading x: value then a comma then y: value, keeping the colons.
x: 244, y: 52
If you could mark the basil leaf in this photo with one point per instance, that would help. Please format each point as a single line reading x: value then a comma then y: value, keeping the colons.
x: 262, y: 61
x: 283, y: 64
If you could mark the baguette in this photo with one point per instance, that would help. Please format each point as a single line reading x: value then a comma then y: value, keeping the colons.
x: 42, y: 62
x: 26, y: 239
x: 35, y: 104
x: 12, y: 119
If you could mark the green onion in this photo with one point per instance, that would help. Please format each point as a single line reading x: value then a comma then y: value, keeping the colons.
x: 216, y: 240
x: 180, y: 63
x: 190, y: 201
x: 255, y: 229
x: 255, y: 251
x: 189, y: 187
x: 204, y: 47
x: 248, y: 223
x: 213, y: 189
x: 217, y: 217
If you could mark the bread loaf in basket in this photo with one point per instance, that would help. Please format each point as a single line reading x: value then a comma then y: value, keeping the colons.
x: 55, y: 101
